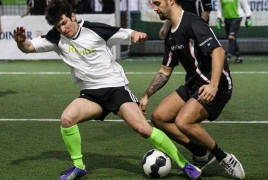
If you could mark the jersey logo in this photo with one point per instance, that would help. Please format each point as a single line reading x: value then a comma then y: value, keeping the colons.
x: 83, y: 51
x: 204, y: 42
x: 177, y: 47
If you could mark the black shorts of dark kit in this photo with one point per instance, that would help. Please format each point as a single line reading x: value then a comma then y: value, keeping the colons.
x: 232, y: 26
x: 214, y: 108
x: 110, y: 99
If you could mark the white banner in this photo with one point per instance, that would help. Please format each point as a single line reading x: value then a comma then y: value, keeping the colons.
x: 35, y: 26
x: 259, y: 10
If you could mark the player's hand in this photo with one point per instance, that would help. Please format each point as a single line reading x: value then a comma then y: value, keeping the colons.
x: 206, y: 93
x: 248, y: 22
x: 219, y: 23
x: 19, y: 34
x: 138, y: 37
x: 143, y: 104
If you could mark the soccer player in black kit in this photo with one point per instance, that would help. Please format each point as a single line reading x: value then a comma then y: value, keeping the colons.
x: 201, y: 8
x: 208, y: 84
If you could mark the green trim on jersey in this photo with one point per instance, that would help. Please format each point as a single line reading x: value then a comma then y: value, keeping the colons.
x: 230, y: 9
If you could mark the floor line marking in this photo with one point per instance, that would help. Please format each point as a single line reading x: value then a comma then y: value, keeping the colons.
x: 118, y: 120
x: 54, y: 73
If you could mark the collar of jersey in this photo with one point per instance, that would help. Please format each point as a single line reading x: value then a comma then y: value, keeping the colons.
x: 175, y: 29
x: 77, y: 34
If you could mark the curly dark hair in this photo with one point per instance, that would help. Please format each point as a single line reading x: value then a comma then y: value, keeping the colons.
x: 55, y: 9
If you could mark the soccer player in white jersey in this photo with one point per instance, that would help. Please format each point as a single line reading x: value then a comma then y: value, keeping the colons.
x: 207, y: 88
x: 86, y: 47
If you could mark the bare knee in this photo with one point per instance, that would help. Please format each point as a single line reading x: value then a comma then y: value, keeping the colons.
x: 156, y: 119
x: 145, y: 131
x: 182, y: 124
x: 231, y: 37
x: 66, y: 120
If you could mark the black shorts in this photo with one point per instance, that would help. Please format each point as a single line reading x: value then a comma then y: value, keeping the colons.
x: 214, y: 108
x: 232, y: 26
x: 110, y: 99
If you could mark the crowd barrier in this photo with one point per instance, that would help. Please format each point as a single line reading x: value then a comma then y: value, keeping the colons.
x: 35, y: 26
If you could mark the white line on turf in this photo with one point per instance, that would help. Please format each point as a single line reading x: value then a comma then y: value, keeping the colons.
x: 52, y: 73
x: 118, y: 120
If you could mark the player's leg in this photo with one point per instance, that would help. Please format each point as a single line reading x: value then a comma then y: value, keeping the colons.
x: 131, y: 113
x: 227, y: 26
x: 163, y: 117
x: 79, y: 110
x: 234, y: 28
x: 188, y: 122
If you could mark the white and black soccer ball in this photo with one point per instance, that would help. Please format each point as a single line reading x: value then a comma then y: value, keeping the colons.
x: 156, y: 164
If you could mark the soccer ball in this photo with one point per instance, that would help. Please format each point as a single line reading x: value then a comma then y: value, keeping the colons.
x: 156, y: 164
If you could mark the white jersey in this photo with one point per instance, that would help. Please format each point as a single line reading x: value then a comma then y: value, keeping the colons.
x: 88, y: 53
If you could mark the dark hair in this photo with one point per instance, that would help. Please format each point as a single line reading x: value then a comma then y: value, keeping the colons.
x: 178, y: 2
x: 55, y: 9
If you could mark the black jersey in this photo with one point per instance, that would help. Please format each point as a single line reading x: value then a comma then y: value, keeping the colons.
x: 190, y: 44
x: 196, y: 6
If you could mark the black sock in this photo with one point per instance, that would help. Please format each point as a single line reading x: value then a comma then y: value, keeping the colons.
x: 218, y: 153
x: 195, y: 149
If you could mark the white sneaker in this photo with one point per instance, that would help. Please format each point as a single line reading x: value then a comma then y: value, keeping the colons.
x: 232, y: 166
x: 204, y: 161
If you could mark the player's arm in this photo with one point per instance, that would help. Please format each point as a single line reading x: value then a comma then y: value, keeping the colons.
x: 245, y: 6
x: 23, y: 44
x: 208, y: 92
x: 207, y: 7
x: 205, y: 15
x: 163, y: 31
x: 123, y: 36
x: 160, y: 79
x: 29, y: 7
x: 137, y: 37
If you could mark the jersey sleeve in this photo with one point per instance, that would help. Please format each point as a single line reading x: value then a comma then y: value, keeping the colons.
x: 111, y: 34
x: 203, y: 35
x: 41, y: 44
x: 123, y: 36
x: 168, y: 59
x: 48, y: 42
x: 246, y: 8
x: 219, y: 11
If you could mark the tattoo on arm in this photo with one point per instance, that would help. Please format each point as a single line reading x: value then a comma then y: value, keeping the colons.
x: 158, y: 82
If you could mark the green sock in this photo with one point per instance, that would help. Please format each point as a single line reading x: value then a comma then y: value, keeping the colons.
x: 72, y: 140
x: 163, y: 143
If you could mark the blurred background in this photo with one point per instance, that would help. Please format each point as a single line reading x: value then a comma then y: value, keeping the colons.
x: 135, y: 14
